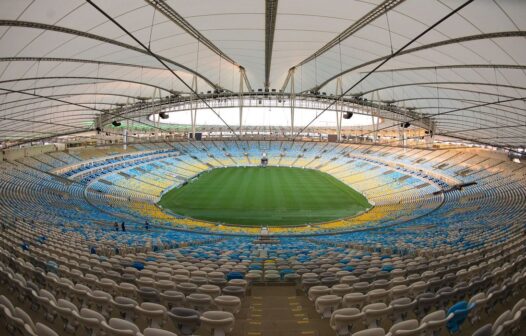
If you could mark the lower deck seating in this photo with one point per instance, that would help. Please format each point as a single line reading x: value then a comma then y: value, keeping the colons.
x: 422, y: 260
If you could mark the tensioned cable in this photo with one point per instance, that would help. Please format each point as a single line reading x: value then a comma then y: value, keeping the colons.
x: 438, y: 91
x: 219, y: 79
x: 340, y: 55
x: 506, y: 146
x: 316, y: 70
x: 36, y: 76
x: 164, y: 64
x: 383, y: 62
x: 85, y: 107
x: 151, y: 26
x: 140, y: 80
x: 389, y: 29
x: 456, y: 110
x: 496, y: 81
x: 77, y: 129
x: 79, y: 105
x: 96, y: 86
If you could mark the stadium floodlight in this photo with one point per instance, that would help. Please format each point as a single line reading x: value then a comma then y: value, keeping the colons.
x: 347, y: 115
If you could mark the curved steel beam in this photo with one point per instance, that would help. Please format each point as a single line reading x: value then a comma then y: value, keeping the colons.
x: 436, y: 98
x: 482, y: 136
x: 46, y: 123
x: 452, y: 126
x: 458, y: 66
x: 30, y: 110
x: 148, y: 50
x: 22, y: 131
x: 74, y: 118
x: 520, y: 115
x: 23, y: 140
x: 81, y: 106
x: 43, y: 26
x: 486, y: 131
x: 107, y: 79
x: 457, y: 127
x: 380, y: 64
x: 480, y: 114
x: 77, y: 116
x: 424, y: 47
x: 271, y: 11
x: 473, y: 101
x: 481, y: 119
x: 452, y: 89
x: 31, y: 102
x: 172, y: 15
x: 475, y: 140
x: 456, y: 110
x: 65, y: 115
x: 485, y: 128
x: 362, y: 22
x: 458, y: 100
x: 493, y: 144
x: 57, y: 133
x: 469, y: 91
x: 514, y: 140
x: 56, y: 86
x: 75, y: 60
x: 440, y: 83
x: 503, y: 106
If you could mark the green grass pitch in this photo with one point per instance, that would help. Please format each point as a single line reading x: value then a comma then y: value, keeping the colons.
x: 272, y: 196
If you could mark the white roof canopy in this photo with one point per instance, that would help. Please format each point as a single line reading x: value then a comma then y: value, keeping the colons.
x: 62, y: 63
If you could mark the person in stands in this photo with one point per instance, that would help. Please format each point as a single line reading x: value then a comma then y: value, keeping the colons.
x: 146, y: 225
x: 116, y: 226
x: 123, y: 227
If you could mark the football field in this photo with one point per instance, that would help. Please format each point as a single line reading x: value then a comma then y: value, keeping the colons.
x: 272, y: 196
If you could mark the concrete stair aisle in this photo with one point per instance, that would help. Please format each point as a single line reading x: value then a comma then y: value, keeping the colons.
x: 278, y: 311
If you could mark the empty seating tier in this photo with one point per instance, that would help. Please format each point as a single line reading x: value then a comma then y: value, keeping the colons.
x: 428, y: 258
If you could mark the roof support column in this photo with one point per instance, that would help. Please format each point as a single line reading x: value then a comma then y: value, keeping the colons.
x: 375, y: 128
x: 125, y: 135
x: 241, y: 88
x: 292, y: 103
x: 129, y: 123
x: 401, y: 136
x: 193, y: 111
x: 156, y: 115
x: 430, y: 138
x: 339, y: 108
x: 374, y: 113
